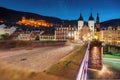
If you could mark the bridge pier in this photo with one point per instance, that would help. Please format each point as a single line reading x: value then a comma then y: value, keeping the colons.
x: 95, y: 55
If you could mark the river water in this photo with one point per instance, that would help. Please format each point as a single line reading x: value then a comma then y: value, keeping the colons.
x: 107, y: 73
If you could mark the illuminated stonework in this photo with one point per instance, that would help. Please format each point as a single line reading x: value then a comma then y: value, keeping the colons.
x: 33, y: 22
x: 64, y: 33
x: 85, y: 33
x: 111, y: 36
x: 95, y: 56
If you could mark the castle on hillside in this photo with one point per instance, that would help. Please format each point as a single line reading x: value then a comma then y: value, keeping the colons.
x: 32, y: 22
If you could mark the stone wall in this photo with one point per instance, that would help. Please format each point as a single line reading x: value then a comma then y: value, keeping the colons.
x: 8, y: 44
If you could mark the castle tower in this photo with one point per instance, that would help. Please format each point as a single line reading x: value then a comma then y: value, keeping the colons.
x: 80, y: 22
x: 97, y: 25
x: 91, y: 23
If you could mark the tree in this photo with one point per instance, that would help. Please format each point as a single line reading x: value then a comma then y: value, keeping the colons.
x: 37, y: 38
x: 4, y: 36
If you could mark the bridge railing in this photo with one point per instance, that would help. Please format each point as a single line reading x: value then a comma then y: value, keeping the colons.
x: 82, y: 72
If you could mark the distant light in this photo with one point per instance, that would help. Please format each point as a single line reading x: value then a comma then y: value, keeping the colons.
x: 96, y: 37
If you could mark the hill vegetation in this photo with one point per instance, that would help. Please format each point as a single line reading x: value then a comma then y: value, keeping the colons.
x: 11, y: 17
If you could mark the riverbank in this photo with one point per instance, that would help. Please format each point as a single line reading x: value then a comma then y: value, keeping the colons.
x: 111, y: 56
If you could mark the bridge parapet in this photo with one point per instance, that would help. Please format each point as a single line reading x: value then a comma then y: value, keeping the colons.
x: 82, y: 72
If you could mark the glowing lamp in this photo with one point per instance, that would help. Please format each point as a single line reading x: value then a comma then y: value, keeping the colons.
x: 96, y: 37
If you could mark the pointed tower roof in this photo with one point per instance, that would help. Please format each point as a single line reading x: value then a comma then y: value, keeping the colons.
x: 97, y: 18
x: 97, y: 25
x: 80, y: 18
x: 91, y: 17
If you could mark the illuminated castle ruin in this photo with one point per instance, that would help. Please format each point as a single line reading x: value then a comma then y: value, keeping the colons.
x: 33, y: 22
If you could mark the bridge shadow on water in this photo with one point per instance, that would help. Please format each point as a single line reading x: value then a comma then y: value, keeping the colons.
x: 106, y: 73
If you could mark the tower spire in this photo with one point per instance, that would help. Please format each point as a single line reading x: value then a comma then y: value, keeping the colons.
x: 97, y: 18
x: 91, y: 17
x: 97, y: 26
x: 80, y: 18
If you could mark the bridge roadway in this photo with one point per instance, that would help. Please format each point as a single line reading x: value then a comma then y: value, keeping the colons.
x: 38, y: 58
x: 71, y: 67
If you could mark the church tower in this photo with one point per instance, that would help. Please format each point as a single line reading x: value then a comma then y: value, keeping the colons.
x: 97, y: 25
x: 80, y: 22
x: 91, y: 22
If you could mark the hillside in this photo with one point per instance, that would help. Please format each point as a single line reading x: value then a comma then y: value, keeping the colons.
x: 113, y: 23
x: 12, y: 16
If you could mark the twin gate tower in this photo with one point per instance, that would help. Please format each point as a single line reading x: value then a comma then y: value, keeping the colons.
x: 88, y: 32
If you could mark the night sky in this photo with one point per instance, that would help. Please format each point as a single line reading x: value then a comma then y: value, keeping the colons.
x: 67, y: 9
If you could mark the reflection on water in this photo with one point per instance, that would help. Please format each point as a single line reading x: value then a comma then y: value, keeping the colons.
x: 105, y: 73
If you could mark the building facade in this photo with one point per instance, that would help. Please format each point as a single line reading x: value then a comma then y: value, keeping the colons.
x: 111, y: 35
x: 85, y: 32
x: 64, y: 33
x: 47, y: 38
x: 7, y: 30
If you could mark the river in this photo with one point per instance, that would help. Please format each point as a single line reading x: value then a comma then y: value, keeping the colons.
x: 110, y: 70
